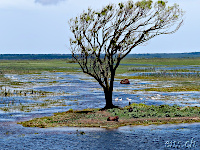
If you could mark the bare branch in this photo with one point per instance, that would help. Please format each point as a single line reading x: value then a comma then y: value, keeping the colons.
x: 101, y: 39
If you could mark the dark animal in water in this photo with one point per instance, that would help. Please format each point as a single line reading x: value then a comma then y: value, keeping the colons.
x: 125, y: 81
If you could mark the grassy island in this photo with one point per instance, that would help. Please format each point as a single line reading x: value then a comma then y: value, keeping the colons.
x: 135, y: 114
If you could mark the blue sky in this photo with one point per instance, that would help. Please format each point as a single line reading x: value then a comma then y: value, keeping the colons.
x: 41, y: 27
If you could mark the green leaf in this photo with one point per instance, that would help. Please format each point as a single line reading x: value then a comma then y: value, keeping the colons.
x: 162, y: 3
x: 88, y: 18
x: 109, y: 7
x: 121, y: 5
x: 130, y: 4
x: 103, y: 13
x: 144, y: 4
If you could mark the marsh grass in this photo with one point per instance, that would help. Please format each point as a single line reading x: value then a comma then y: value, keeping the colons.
x: 68, y: 65
x: 36, y: 66
x: 164, y: 74
x: 160, y: 78
x: 140, y: 114
x: 131, y: 64
x: 30, y: 93
x: 142, y: 69
x: 162, y: 61
x: 12, y: 107
x: 4, y: 79
x: 178, y: 84
x: 181, y: 88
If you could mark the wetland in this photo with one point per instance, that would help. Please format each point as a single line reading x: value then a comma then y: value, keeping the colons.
x: 32, y: 89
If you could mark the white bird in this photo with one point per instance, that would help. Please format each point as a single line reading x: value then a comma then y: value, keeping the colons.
x: 120, y: 99
x: 141, y: 98
x: 116, y: 99
x: 129, y: 99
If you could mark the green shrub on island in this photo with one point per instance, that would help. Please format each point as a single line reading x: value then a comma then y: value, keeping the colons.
x: 146, y: 111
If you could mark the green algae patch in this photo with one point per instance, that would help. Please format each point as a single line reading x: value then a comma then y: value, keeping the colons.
x: 135, y: 114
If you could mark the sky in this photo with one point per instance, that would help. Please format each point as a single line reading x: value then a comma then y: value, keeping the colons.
x: 41, y: 27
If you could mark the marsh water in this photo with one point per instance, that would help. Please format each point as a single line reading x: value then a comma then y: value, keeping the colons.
x: 43, y: 94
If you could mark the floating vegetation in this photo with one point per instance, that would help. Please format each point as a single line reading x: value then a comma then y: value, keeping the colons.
x: 173, y: 74
x: 174, y: 88
x: 10, y: 92
x: 142, y: 69
x: 32, y: 106
x: 162, y: 61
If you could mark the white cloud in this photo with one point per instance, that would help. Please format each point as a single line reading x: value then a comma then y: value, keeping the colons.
x: 48, y: 2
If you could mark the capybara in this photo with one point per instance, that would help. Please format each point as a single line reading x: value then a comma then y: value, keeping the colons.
x: 125, y: 81
x: 113, y: 118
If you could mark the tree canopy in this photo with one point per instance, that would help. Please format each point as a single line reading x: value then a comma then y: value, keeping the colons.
x: 102, y: 38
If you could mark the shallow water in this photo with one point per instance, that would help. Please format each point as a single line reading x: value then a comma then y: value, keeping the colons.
x: 78, y: 91
x: 140, y: 137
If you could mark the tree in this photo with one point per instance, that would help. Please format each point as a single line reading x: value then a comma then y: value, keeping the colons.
x: 101, y: 39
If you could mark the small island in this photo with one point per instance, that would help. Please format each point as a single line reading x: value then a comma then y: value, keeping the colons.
x: 135, y: 114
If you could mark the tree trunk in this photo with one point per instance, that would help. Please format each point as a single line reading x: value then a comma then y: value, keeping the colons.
x: 108, y: 98
x: 108, y: 90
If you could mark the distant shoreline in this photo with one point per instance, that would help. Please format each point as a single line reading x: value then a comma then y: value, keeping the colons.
x: 69, y: 56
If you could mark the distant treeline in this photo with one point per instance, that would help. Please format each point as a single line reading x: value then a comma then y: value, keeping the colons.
x: 69, y: 56
x: 34, y: 56
x: 165, y: 55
